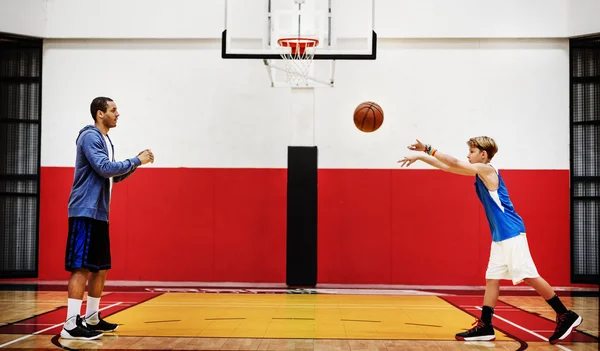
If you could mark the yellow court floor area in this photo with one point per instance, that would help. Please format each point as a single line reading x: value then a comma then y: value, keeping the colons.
x: 318, y: 316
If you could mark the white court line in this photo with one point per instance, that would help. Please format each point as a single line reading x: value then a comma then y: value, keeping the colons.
x: 526, y: 330
x: 52, y: 327
x: 32, y: 324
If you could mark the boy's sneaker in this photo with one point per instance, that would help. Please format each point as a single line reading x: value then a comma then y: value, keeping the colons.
x: 565, y: 324
x: 480, y: 332
x: 80, y: 331
x: 101, y: 326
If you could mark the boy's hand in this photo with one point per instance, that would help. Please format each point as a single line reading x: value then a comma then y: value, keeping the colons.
x: 409, y: 160
x: 418, y: 146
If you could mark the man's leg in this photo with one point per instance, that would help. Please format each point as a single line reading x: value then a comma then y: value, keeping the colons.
x: 95, y: 288
x: 92, y: 314
x: 74, y: 327
x: 76, y: 290
x: 75, y: 261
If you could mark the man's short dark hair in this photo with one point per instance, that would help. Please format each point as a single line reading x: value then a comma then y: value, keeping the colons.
x: 99, y: 103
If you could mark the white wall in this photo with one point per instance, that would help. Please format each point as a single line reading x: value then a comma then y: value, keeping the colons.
x: 393, y: 18
x: 23, y: 17
x: 194, y: 109
x: 471, y: 19
x: 447, y: 91
x: 584, y: 17
x: 445, y: 71
x: 135, y: 18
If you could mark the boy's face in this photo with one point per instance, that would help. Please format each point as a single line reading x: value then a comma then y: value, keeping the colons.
x: 475, y: 155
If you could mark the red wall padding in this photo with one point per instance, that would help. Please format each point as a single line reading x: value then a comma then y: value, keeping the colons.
x: 416, y: 227
x: 427, y: 227
x: 178, y: 224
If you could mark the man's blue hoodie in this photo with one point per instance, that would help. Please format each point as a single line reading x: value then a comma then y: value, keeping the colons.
x: 90, y: 194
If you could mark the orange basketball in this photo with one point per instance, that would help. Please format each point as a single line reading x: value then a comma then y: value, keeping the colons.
x: 368, y: 116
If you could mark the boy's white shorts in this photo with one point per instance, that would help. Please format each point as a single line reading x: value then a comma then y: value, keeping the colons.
x: 510, y: 259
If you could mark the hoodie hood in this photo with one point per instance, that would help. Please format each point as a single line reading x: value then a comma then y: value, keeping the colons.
x: 87, y: 128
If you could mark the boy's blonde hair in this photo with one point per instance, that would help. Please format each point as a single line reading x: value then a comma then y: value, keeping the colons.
x: 484, y: 143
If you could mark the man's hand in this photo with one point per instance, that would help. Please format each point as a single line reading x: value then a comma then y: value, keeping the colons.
x: 418, y: 146
x: 146, y: 156
x: 409, y: 160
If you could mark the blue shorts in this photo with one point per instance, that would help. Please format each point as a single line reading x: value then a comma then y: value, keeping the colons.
x: 88, y: 245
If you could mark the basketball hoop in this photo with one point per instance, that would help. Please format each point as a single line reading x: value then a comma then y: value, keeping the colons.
x: 298, y: 58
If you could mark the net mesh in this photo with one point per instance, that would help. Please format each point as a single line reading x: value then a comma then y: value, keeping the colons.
x: 297, y: 55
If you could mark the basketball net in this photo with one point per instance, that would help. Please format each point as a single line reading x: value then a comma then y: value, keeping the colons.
x: 298, y: 58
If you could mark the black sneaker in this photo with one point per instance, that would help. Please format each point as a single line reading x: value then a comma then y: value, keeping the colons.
x: 480, y: 332
x: 80, y: 332
x: 565, y: 324
x: 102, y: 325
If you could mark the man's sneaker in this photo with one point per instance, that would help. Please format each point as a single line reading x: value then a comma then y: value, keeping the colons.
x: 480, y: 332
x: 80, y: 331
x: 102, y: 325
x: 565, y: 324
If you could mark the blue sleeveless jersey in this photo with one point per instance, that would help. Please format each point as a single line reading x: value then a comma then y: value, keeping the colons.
x: 504, y: 221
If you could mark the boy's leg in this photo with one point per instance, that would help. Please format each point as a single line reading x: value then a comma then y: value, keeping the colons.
x: 523, y: 267
x: 566, y: 320
x: 542, y: 287
x: 483, y: 330
x: 496, y: 270
x: 492, y: 291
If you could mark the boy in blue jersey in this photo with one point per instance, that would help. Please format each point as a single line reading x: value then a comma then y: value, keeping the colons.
x: 509, y: 257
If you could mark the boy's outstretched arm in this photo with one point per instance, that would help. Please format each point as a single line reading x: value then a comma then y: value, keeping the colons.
x: 450, y: 163
x: 432, y: 161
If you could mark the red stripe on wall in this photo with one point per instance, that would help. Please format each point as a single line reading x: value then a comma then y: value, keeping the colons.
x: 179, y: 225
x: 421, y: 227
x: 427, y: 227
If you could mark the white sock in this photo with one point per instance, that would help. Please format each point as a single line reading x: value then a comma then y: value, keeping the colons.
x: 73, y: 310
x: 93, y: 305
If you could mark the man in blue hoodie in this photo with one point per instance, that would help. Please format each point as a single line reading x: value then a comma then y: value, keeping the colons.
x: 88, y: 245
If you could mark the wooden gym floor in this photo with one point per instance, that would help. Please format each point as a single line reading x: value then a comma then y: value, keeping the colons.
x: 279, y: 319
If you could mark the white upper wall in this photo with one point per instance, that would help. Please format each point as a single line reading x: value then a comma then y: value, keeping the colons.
x: 471, y: 19
x: 23, y: 17
x: 445, y: 71
x: 194, y: 109
x: 584, y: 17
x: 393, y: 18
x: 135, y: 18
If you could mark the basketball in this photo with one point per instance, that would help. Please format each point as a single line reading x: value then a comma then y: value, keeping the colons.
x: 368, y: 116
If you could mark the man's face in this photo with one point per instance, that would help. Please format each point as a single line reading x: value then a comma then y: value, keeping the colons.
x: 110, y: 117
